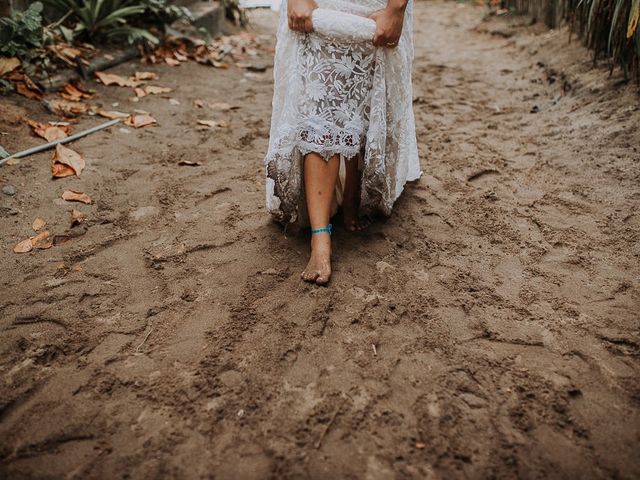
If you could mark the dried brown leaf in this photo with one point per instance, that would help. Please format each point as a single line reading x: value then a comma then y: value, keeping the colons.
x: 73, y: 196
x: 66, y: 162
x: 24, y: 246
x: 138, y: 120
x: 180, y: 57
x: 67, y: 108
x: 42, y: 241
x: 142, y: 76
x: 8, y: 65
x: 50, y: 132
x: 77, y: 217
x: 153, y: 90
x: 112, y: 114
x: 113, y: 79
x: 38, y: 224
x: 222, y: 106
x: 25, y: 91
x: 73, y: 94
x: 214, y: 123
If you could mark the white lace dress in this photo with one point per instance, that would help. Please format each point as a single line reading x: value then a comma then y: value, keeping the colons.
x: 337, y: 94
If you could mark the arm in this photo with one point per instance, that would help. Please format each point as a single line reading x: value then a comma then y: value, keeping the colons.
x: 299, y: 14
x: 389, y: 23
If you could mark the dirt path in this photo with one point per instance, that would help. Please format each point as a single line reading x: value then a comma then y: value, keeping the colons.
x: 174, y: 339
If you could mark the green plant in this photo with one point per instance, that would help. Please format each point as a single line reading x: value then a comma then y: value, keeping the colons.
x: 22, y: 32
x: 234, y: 12
x: 117, y: 19
x: 609, y: 28
x: 161, y: 13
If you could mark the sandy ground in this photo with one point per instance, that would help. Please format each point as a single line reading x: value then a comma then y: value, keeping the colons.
x: 174, y: 338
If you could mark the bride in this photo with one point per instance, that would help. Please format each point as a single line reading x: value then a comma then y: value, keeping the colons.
x: 342, y: 129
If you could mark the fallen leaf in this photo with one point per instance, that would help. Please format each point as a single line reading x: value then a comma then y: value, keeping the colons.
x: 113, y: 79
x: 66, y: 53
x: 42, y: 241
x: 174, y: 101
x: 8, y: 65
x: 77, y: 217
x: 66, y: 162
x: 67, y: 108
x: 153, y: 90
x: 15, y: 76
x: 31, y: 84
x: 50, y: 132
x: 179, y: 56
x: 25, y: 91
x: 138, y: 120
x: 140, y: 93
x: 112, y: 114
x: 172, y: 62
x: 198, y: 103
x: 24, y: 246
x: 73, y: 196
x: 223, y: 106
x: 214, y: 123
x: 189, y: 163
x: 38, y: 223
x: 73, y: 94
x: 141, y: 76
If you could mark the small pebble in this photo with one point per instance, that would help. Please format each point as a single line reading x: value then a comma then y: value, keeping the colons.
x: 241, y: 413
x: 9, y: 190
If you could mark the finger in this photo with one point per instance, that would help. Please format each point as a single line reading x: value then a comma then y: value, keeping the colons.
x: 308, y: 25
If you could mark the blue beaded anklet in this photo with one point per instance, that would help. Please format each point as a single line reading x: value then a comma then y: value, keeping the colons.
x: 322, y: 230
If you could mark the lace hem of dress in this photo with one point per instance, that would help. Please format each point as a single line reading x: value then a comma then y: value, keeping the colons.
x: 326, y: 141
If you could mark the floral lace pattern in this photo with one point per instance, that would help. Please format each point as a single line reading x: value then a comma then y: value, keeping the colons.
x: 338, y: 97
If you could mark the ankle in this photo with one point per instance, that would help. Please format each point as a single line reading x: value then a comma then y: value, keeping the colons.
x: 320, y: 242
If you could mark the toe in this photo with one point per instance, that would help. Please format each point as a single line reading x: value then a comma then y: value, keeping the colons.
x: 323, y: 278
x: 363, y: 224
x: 310, y: 276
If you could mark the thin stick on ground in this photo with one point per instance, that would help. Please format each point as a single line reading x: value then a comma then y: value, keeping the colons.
x: 47, y: 146
x: 145, y: 339
x: 328, y: 426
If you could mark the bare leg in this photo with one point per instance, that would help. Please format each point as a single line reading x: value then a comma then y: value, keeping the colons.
x: 351, y: 200
x: 319, y: 182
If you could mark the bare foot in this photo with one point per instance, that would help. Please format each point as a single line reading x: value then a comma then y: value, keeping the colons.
x: 352, y: 220
x: 319, y: 267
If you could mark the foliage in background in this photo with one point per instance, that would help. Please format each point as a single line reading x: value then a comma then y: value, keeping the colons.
x: 608, y: 27
x: 116, y: 19
x: 234, y: 13
x: 22, y: 32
